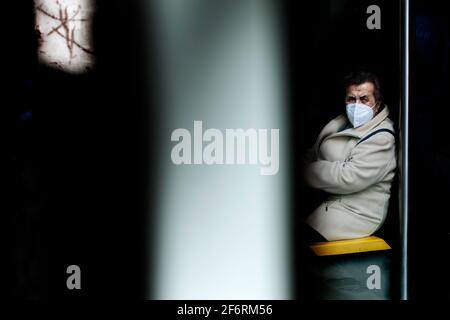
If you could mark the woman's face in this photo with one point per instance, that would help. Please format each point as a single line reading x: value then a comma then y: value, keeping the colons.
x: 362, y: 93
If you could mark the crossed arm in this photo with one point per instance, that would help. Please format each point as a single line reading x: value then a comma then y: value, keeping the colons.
x: 367, y: 164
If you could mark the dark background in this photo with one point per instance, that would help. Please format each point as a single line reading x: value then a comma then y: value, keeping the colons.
x: 430, y: 152
x: 78, y: 167
x: 77, y: 157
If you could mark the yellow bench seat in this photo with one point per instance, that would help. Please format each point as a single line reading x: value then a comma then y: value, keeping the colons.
x: 329, y: 248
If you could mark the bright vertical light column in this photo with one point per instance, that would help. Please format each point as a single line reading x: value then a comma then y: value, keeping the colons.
x: 220, y: 231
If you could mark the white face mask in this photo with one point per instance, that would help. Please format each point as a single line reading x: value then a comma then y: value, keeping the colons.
x: 359, y: 113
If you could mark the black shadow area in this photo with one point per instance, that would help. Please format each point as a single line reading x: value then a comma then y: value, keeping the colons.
x: 80, y: 162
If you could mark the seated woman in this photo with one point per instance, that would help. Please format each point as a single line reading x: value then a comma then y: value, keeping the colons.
x: 354, y: 161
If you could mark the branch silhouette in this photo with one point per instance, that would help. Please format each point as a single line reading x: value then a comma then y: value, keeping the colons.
x: 68, y: 33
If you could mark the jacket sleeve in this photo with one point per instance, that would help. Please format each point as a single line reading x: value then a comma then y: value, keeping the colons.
x: 366, y: 165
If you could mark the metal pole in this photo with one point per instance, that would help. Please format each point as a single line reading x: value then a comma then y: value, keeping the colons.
x: 404, y: 134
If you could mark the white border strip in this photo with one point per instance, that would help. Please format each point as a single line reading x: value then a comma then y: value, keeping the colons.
x: 405, y: 151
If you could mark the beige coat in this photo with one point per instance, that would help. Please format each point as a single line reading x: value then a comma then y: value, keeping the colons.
x: 356, y: 166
